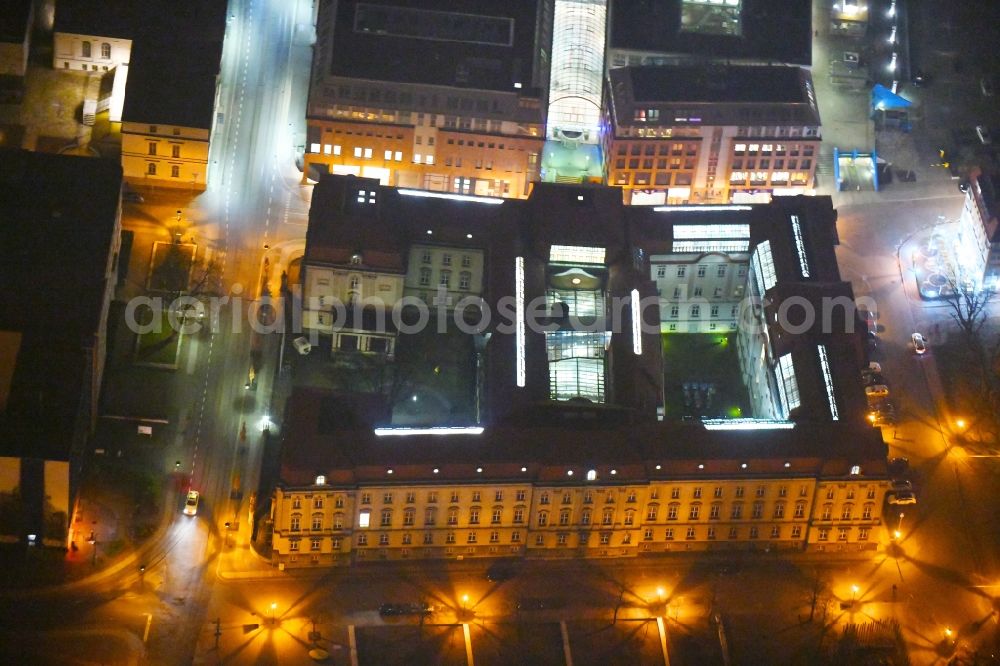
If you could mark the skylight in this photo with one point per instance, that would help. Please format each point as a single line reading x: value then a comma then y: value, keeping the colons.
x: 824, y: 362
x: 800, y: 246
x: 576, y: 254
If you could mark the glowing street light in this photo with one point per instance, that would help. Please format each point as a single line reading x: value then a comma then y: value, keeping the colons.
x: 274, y: 608
x: 960, y: 424
x: 854, y: 593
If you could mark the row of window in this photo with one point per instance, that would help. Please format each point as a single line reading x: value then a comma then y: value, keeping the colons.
x: 701, y: 271
x: 673, y: 163
x: 767, y: 149
x: 175, y: 150
x: 776, y: 532
x: 646, y: 148
x: 763, y: 177
x: 446, y: 122
x: 444, y: 279
x: 608, y: 515
x: 644, y: 178
x: 175, y: 171
x: 427, y: 257
x: 765, y: 163
x: 86, y: 49
x: 567, y: 497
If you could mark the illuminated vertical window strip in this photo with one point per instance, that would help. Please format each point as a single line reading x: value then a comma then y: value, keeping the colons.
x: 636, y: 324
x: 765, y: 265
x: 519, y: 318
x: 824, y: 362
x: 788, y: 385
x: 800, y: 246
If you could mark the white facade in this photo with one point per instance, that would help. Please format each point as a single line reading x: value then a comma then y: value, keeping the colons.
x: 325, y: 287
x: 96, y: 54
x: 976, y: 230
x: 699, y: 293
x: 432, y: 269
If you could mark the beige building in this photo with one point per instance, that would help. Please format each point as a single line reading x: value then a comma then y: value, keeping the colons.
x: 165, y: 155
x: 621, y: 490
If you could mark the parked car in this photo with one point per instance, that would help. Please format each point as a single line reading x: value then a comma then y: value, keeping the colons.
x: 903, y: 497
x: 877, y: 391
x: 191, y: 503
x: 404, y: 609
x: 919, y: 343
x: 500, y: 572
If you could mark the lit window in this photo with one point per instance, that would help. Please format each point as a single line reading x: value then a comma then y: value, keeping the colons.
x: 336, y: 149
x: 313, y: 147
x: 364, y: 518
x: 398, y: 156
x: 368, y: 153
x: 357, y: 151
x: 855, y: 470
x: 388, y: 155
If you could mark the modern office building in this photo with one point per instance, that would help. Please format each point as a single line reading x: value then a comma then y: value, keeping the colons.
x: 710, y: 133
x: 422, y: 95
x: 60, y: 263
x: 581, y: 359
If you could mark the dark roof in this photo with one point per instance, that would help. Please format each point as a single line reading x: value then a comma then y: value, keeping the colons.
x: 474, y: 44
x: 176, y: 49
x: 108, y: 18
x: 772, y: 30
x: 14, y: 15
x: 59, y: 215
x: 717, y: 84
x: 165, y: 88
x: 348, y: 454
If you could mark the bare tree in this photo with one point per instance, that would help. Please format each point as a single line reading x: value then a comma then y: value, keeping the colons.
x: 968, y: 309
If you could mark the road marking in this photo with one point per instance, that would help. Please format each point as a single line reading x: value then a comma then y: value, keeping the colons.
x: 468, y: 644
x: 192, y: 355
x: 663, y: 639
x: 353, y: 643
x: 567, y: 655
x: 149, y: 623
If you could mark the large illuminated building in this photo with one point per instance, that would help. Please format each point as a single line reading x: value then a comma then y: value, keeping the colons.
x: 604, y: 431
x: 428, y: 95
x: 978, y: 243
x: 710, y: 133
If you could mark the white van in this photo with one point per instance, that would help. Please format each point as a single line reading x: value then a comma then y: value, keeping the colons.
x: 302, y: 345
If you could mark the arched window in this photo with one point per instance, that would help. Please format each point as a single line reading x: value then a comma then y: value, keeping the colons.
x: 106, y: 51
x: 651, y: 511
x: 408, y: 516
x: 317, y: 522
x: 564, y: 517
x: 543, y: 518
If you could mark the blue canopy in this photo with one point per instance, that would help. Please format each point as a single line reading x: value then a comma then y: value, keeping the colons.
x: 883, y: 98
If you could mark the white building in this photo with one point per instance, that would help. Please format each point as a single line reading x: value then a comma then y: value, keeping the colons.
x: 978, y: 242
x: 455, y: 271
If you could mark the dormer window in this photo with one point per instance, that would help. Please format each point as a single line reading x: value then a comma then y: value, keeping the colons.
x: 356, y: 259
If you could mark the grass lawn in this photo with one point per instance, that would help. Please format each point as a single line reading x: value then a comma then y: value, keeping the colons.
x: 159, y: 345
x: 171, y: 267
x: 710, y: 361
x: 439, y: 370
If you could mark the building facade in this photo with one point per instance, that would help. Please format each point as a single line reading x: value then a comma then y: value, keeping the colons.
x: 710, y: 134
x: 978, y: 242
x: 473, y: 126
x: 165, y: 155
x: 585, y: 513
x: 570, y: 458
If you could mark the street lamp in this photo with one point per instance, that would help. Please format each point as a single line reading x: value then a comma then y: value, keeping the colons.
x: 93, y: 542
x: 899, y: 524
x: 854, y: 593
x: 274, y: 608
x: 465, y: 601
